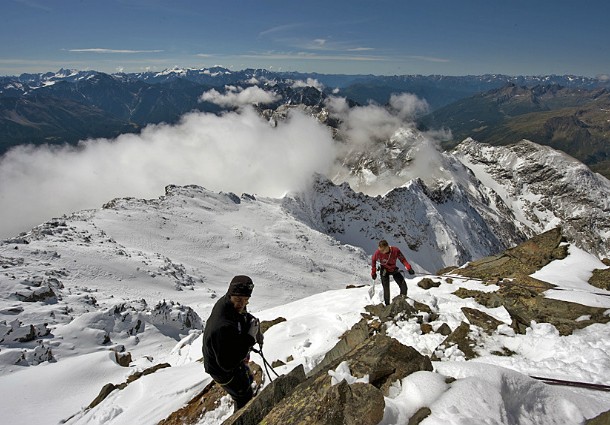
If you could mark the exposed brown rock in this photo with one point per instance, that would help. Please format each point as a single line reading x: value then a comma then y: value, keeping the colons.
x: 266, y: 324
x: 601, y: 419
x: 444, y: 329
x: 419, y: 416
x: 398, y: 362
x: 525, y: 304
x: 123, y: 359
x: 601, y: 279
x: 445, y: 270
x: 206, y: 401
x: 108, y: 388
x: 348, y: 341
x: 399, y: 308
x: 524, y: 259
x: 271, y: 395
x: 460, y: 337
x: 316, y: 401
x: 426, y: 328
x: 481, y: 319
x: 427, y: 283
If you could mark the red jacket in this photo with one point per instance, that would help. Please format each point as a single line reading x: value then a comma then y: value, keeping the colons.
x: 388, y: 261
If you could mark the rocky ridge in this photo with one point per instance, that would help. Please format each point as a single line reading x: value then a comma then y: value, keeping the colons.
x: 545, y: 188
x: 376, y: 361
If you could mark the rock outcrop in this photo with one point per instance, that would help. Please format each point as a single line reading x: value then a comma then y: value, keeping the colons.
x: 318, y: 401
x: 520, y: 261
x: 601, y: 278
x: 522, y: 295
x: 544, y: 185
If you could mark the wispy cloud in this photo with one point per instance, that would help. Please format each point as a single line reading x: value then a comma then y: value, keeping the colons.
x: 120, y: 51
x: 280, y: 29
x: 429, y: 59
x: 312, y: 56
x: 34, y: 5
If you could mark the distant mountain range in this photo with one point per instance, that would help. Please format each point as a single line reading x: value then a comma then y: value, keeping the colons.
x: 575, y: 120
x: 68, y: 105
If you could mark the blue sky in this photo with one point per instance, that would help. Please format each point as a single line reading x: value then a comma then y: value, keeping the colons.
x: 382, y: 37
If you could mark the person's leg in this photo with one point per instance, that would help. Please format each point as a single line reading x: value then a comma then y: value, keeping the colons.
x: 400, y: 280
x: 240, y: 388
x: 385, y: 282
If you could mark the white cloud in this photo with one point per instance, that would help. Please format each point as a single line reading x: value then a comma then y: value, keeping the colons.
x: 408, y: 106
x: 311, y: 82
x: 364, y: 125
x: 368, y: 127
x: 97, y: 50
x: 238, y: 152
x: 238, y: 96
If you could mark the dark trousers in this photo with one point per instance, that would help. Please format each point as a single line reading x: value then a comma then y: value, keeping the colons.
x: 385, y: 282
x: 239, y: 386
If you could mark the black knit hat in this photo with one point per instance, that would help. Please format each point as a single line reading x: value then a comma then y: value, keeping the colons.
x: 241, y: 286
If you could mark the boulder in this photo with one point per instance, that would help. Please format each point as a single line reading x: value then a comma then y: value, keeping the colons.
x: 419, y: 416
x: 317, y: 401
x: 385, y: 361
x: 399, y: 308
x: 348, y: 404
x: 266, y: 324
x: 349, y: 340
x: 272, y: 394
x: 444, y: 329
x: 524, y: 259
x: 601, y: 279
x: 525, y: 305
x: 427, y: 283
x: 459, y: 337
x: 43, y: 294
x: 481, y: 319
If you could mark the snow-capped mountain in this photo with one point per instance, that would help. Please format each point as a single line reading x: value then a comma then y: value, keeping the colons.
x: 104, y: 296
x: 435, y: 226
x: 127, y: 287
x: 544, y: 187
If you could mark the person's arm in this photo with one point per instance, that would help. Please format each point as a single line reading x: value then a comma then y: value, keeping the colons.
x: 231, y: 347
x: 404, y: 261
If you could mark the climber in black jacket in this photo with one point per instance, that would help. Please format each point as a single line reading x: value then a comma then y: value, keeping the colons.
x: 230, y: 333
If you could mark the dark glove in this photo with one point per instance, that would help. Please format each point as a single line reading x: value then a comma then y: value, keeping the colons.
x: 374, y: 276
x: 411, y: 271
x: 259, y: 338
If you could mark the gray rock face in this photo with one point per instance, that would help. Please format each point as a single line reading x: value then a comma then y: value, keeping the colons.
x: 418, y: 218
x: 546, y: 187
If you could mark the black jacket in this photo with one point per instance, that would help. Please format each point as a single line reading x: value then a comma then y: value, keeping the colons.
x: 226, y: 342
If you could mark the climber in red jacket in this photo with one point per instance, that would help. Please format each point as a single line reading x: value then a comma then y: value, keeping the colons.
x: 387, y: 256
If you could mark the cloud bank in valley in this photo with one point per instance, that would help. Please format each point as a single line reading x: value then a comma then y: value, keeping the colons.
x: 369, y: 127
x: 238, y: 151
x: 238, y: 96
